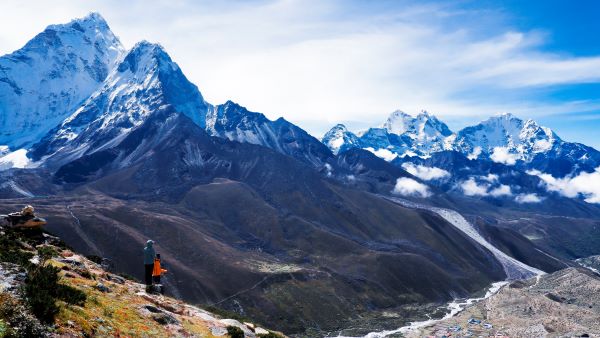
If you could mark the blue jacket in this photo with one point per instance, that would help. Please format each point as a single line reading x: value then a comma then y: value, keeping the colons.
x: 149, y: 254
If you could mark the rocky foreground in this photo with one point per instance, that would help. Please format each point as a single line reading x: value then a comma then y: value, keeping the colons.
x: 562, y: 304
x: 112, y: 305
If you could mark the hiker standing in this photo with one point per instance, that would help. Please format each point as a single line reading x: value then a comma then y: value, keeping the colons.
x: 157, y: 270
x: 149, y: 255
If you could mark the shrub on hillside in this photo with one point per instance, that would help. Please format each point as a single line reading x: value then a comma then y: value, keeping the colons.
x: 235, y: 332
x: 42, y: 290
x: 46, y: 252
x: 94, y: 258
x: 17, y: 321
x: 70, y: 295
x: 11, y: 251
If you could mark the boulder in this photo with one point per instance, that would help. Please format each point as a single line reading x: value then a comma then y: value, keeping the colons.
x: 165, y: 319
x: 152, y: 308
x: 102, y: 288
x: 260, y: 331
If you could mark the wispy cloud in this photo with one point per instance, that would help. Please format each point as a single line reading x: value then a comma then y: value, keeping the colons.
x: 425, y: 173
x: 328, y: 61
x: 408, y: 187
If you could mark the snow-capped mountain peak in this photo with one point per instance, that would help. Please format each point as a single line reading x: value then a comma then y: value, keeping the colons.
x: 339, y: 139
x: 45, y: 81
x: 423, y: 126
x: 398, y: 122
x: 145, y: 82
x: 507, y: 133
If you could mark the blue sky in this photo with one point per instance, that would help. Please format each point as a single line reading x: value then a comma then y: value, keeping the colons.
x: 319, y: 62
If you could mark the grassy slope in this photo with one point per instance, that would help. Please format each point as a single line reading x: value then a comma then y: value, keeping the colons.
x: 123, y: 311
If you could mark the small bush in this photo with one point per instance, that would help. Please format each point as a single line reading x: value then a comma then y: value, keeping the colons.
x: 11, y: 252
x: 235, y: 332
x: 46, y: 252
x: 70, y: 295
x: 94, y: 258
x: 42, y: 290
x: 17, y: 321
x: 85, y: 273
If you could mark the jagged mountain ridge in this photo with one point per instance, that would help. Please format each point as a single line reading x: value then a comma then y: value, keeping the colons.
x: 136, y: 84
x: 144, y: 83
x: 503, y: 138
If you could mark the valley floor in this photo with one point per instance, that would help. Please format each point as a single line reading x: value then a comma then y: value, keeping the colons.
x: 562, y: 304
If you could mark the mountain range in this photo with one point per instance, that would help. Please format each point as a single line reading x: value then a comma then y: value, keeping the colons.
x: 116, y: 146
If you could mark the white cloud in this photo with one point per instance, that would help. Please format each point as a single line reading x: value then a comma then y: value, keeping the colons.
x: 328, y: 169
x: 490, y: 178
x: 325, y: 61
x: 15, y: 159
x: 471, y: 188
x: 425, y: 173
x: 502, y: 155
x: 383, y: 153
x: 502, y: 190
x: 585, y: 184
x: 408, y: 187
x: 528, y: 198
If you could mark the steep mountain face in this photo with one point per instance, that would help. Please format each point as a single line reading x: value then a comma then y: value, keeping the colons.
x: 339, y: 139
x: 428, y: 134
x: 146, y: 82
x: 236, y: 123
x: 401, y: 135
x: 45, y: 81
x: 522, y: 138
x: 507, y: 139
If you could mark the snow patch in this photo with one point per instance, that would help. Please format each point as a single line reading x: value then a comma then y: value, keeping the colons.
x: 503, y: 155
x: 541, y: 146
x: 475, y: 154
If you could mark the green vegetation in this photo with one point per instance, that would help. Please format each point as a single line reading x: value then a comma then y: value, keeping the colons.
x: 15, y: 320
x: 94, y: 258
x: 46, y: 253
x: 42, y: 290
x: 11, y: 250
x: 235, y: 332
